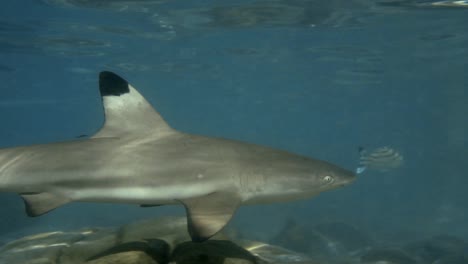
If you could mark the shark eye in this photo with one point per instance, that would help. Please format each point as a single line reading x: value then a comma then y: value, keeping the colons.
x: 328, y: 179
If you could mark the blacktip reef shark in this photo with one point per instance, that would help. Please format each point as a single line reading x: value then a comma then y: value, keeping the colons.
x: 137, y: 158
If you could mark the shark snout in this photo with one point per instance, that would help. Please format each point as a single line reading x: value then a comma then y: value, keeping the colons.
x: 346, y: 179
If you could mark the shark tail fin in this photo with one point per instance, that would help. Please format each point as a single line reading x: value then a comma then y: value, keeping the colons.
x: 126, y: 111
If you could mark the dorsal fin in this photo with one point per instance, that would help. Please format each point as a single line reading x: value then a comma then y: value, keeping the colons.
x: 127, y: 112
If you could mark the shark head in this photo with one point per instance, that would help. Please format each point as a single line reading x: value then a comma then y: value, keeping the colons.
x: 297, y: 177
x: 327, y: 176
x: 306, y: 177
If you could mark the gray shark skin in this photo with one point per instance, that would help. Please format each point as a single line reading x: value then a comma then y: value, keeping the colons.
x: 137, y: 158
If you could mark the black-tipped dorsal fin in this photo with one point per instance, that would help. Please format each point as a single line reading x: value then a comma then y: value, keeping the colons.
x: 127, y: 112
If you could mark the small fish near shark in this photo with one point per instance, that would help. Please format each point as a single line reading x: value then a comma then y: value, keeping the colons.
x: 381, y: 159
x: 137, y: 158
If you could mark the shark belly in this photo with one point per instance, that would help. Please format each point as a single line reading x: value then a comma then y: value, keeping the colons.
x: 137, y: 194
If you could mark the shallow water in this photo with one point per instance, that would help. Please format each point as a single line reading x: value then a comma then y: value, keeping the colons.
x: 319, y: 78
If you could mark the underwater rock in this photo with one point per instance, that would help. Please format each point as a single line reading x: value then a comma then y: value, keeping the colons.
x: 438, y: 247
x: 387, y: 256
x: 95, y: 242
x: 455, y: 259
x: 130, y: 257
x: 324, y: 240
x: 211, y: 251
x: 164, y: 240
x: 345, y: 236
x: 156, y: 249
x: 273, y: 254
x: 53, y: 246
x: 173, y: 230
x: 300, y: 238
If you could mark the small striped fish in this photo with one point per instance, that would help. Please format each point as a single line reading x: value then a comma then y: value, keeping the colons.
x: 380, y: 159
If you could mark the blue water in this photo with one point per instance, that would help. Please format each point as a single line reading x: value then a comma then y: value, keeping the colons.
x: 318, y: 78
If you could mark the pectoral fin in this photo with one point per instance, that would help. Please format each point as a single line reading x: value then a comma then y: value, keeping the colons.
x: 40, y: 203
x: 207, y: 215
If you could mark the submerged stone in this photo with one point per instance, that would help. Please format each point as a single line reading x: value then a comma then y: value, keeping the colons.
x: 454, y: 259
x: 48, y: 247
x: 325, y: 241
x: 274, y: 254
x: 130, y: 257
x: 157, y: 249
x: 161, y: 241
x: 211, y: 251
x: 387, y: 256
x: 438, y: 247
x: 300, y: 238
x: 170, y: 229
x: 345, y: 236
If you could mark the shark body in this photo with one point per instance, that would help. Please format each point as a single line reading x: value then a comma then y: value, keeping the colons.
x: 137, y: 158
